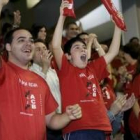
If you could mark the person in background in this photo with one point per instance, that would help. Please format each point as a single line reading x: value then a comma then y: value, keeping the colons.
x: 71, y: 31
x: 39, y: 32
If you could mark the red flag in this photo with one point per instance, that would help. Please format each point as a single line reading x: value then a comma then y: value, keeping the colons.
x: 115, y: 14
x: 70, y: 10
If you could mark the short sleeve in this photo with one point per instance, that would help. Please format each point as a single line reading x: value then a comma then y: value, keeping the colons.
x: 99, y: 67
x: 50, y: 103
x: 65, y: 67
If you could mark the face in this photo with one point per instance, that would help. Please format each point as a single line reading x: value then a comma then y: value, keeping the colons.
x: 42, y: 34
x: 84, y: 37
x: 21, y: 48
x: 78, y: 55
x: 39, y: 50
x: 72, y: 31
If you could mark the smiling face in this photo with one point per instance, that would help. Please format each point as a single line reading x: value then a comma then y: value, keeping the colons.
x: 42, y: 34
x: 40, y: 48
x: 21, y: 49
x: 78, y: 55
x: 72, y: 31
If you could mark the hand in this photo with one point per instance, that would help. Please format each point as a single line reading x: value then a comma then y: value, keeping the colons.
x: 96, y: 43
x: 46, y: 58
x: 122, y: 70
x: 64, y: 4
x: 92, y: 37
x: 17, y: 17
x: 118, y: 104
x: 129, y: 103
x: 74, y: 112
x: 3, y: 2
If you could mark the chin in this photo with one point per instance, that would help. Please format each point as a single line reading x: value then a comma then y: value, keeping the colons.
x: 82, y: 66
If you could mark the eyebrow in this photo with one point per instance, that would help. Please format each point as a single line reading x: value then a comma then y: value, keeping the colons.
x: 23, y: 37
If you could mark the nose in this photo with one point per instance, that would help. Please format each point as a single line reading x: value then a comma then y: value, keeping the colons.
x: 29, y: 42
x: 83, y: 49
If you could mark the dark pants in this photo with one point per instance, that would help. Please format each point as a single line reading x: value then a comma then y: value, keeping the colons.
x: 85, y: 135
x: 54, y: 135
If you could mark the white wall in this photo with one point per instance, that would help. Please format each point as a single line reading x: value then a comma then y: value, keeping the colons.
x: 130, y: 14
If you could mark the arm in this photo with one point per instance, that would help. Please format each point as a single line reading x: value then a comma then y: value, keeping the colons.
x: 114, y: 47
x: 98, y: 48
x: 2, y: 3
x: 58, y: 121
x: 136, y: 109
x: 17, y: 19
x: 57, y: 37
x: 90, y: 44
x: 46, y: 61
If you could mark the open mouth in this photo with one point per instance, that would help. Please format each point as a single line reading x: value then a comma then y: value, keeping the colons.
x: 83, y: 57
x: 27, y: 51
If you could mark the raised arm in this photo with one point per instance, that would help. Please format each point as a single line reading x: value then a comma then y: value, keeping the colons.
x: 57, y: 37
x: 17, y: 19
x: 114, y: 47
x: 2, y: 4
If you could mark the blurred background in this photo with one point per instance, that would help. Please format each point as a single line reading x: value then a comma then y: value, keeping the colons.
x: 90, y: 13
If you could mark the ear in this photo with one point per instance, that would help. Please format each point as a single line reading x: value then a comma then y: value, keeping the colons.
x: 68, y: 56
x: 8, y: 47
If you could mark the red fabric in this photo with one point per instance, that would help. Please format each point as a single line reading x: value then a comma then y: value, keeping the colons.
x: 64, y: 41
x: 25, y: 99
x: 81, y: 86
x: 108, y: 96
x: 128, y: 84
x: 116, y: 63
x: 134, y: 123
x: 114, y: 12
x: 70, y: 10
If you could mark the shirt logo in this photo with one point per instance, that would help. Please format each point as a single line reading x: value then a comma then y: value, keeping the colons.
x: 30, y: 101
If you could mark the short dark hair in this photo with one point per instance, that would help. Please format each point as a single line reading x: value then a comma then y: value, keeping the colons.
x: 70, y: 23
x: 83, y: 33
x: 41, y: 41
x: 9, y: 36
x: 133, y: 38
x: 132, y: 49
x: 69, y: 43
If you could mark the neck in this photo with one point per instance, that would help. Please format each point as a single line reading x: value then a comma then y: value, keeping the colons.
x: 19, y: 64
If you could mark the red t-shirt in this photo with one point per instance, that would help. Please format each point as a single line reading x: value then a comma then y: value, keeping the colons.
x: 108, y: 96
x: 25, y: 99
x: 64, y: 41
x: 81, y: 86
x: 134, y: 123
x: 127, y: 85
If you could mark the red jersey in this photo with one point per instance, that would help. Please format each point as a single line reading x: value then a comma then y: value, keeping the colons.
x: 108, y: 96
x: 127, y: 85
x: 134, y: 123
x: 64, y: 41
x: 25, y: 99
x: 81, y: 86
